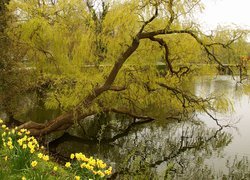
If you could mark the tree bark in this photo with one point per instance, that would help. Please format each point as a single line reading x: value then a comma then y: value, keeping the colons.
x: 61, y: 122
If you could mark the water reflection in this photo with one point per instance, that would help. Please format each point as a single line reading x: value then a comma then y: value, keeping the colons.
x: 154, y: 150
x: 160, y: 150
x: 240, y: 99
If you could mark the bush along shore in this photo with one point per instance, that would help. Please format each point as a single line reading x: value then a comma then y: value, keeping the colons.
x: 22, y: 158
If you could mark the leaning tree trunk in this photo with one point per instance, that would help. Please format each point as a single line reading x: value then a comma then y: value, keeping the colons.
x: 61, y: 122
x: 67, y: 119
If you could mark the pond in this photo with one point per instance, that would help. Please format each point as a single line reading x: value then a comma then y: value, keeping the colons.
x: 193, y: 149
x: 179, y: 150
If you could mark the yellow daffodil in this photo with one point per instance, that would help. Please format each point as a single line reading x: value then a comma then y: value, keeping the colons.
x: 89, y: 167
x: 34, y: 141
x: 40, y: 155
x: 55, y: 168
x: 84, y: 158
x: 1, y: 121
x: 83, y: 165
x: 68, y: 164
x: 3, y: 126
x: 78, y: 156
x: 20, y: 142
x: 25, y: 138
x: 9, y: 143
x: 23, y: 130
x: 72, y: 156
x: 33, y: 163
x: 19, y: 134
x: 6, y: 158
x: 92, y: 162
x: 30, y: 145
x: 24, y: 146
x: 100, y: 173
x: 77, y: 177
x: 23, y: 178
x: 107, y: 172
x: 45, y: 157
x: 32, y: 150
x: 100, y: 164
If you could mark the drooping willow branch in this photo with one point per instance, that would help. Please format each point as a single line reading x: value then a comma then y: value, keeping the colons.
x: 151, y: 35
x: 204, y: 104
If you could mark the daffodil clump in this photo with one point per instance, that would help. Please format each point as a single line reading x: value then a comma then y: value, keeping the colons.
x: 23, y: 158
x: 19, y: 147
x: 83, y: 166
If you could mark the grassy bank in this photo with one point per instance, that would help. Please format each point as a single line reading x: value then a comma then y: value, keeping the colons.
x: 21, y: 157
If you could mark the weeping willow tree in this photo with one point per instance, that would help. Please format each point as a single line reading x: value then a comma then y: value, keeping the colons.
x: 129, y: 57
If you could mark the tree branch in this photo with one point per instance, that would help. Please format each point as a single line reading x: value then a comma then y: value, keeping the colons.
x: 211, y: 56
x: 112, y: 75
x: 117, y: 88
x: 172, y: 14
x: 150, y: 20
x: 164, y: 44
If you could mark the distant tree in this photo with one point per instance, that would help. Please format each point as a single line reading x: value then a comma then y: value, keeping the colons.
x: 13, y: 82
x: 3, y: 24
x: 237, y: 49
x: 102, y: 56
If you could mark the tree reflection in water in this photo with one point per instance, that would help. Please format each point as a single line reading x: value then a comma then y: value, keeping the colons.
x: 151, y: 149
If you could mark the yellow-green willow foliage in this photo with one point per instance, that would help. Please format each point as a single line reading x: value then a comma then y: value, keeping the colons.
x: 73, y: 45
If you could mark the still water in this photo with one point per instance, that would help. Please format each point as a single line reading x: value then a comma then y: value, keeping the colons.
x: 193, y: 149
x: 239, y: 118
x: 179, y: 150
